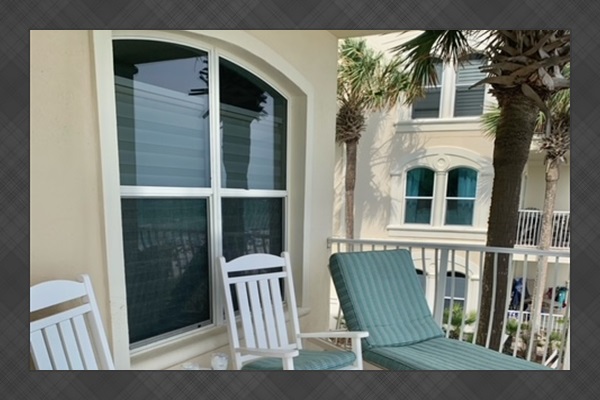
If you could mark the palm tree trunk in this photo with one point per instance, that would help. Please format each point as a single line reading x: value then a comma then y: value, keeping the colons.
x: 552, y: 176
x: 511, y: 150
x: 351, y: 150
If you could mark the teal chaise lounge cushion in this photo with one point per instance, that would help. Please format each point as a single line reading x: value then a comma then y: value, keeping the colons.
x: 379, y: 292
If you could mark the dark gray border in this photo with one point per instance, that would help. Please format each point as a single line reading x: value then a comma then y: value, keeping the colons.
x: 17, y: 17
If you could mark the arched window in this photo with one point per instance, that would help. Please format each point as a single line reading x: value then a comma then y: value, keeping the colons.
x: 419, y: 196
x: 458, y: 280
x: 461, y: 191
x: 181, y: 173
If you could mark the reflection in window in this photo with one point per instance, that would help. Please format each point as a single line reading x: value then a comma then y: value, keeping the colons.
x: 253, y: 120
x: 166, y: 259
x: 252, y: 225
x: 460, y: 196
x: 163, y: 131
x: 419, y: 196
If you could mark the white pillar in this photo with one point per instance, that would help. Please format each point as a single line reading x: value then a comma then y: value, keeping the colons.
x: 439, y: 197
x: 567, y: 361
x: 430, y: 290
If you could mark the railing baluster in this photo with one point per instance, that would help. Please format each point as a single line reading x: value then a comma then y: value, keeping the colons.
x: 521, y: 305
x: 466, y: 295
x: 440, y: 288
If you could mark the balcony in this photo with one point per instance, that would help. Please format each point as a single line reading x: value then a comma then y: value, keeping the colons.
x: 528, y: 230
x: 451, y: 279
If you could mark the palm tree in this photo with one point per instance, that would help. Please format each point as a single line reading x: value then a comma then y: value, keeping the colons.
x: 523, y: 70
x: 367, y: 82
x: 555, y: 144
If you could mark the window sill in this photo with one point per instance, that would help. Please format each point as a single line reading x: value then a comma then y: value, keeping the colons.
x: 461, y: 124
x: 184, y: 347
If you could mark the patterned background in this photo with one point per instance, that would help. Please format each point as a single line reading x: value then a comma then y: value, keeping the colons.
x: 17, y: 17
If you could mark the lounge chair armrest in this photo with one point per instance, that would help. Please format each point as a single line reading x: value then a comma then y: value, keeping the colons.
x: 335, y: 334
x: 279, y: 353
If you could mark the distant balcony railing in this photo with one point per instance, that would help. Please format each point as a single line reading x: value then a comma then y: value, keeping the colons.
x: 530, y: 222
x: 439, y: 264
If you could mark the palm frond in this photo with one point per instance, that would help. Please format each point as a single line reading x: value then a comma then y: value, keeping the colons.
x: 423, y: 52
x: 489, y: 121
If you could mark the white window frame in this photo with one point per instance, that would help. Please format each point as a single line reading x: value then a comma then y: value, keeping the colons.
x: 447, y: 83
x: 441, y: 160
x: 112, y: 191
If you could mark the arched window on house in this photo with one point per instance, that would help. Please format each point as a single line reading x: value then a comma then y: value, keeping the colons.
x: 182, y: 200
x: 461, y: 191
x: 419, y: 196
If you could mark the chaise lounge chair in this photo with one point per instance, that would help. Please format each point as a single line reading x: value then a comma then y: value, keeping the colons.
x: 379, y: 293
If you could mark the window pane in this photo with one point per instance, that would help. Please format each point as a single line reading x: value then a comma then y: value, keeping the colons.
x: 252, y: 225
x: 459, y: 212
x: 253, y: 120
x: 162, y: 114
x: 418, y: 211
x: 469, y: 73
x: 459, y: 285
x: 462, y: 182
x: 419, y: 182
x: 166, y: 265
x: 429, y: 106
x: 469, y: 102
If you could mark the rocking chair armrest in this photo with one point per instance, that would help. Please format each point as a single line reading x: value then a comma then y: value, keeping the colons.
x: 279, y: 353
x: 335, y: 334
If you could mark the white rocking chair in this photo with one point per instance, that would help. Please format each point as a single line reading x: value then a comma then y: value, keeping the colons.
x: 255, y: 279
x: 71, y: 339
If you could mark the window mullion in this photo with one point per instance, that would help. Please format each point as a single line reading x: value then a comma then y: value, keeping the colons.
x: 447, y: 91
x: 216, y: 230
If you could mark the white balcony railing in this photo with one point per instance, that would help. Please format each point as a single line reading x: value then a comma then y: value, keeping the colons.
x: 528, y: 230
x: 441, y: 267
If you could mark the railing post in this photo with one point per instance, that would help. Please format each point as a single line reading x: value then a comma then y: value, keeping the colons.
x: 567, y: 359
x: 440, y: 289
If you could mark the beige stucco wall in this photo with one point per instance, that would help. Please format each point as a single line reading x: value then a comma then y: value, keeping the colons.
x: 383, y: 149
x: 533, y: 194
x: 67, y: 218
x: 66, y: 199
